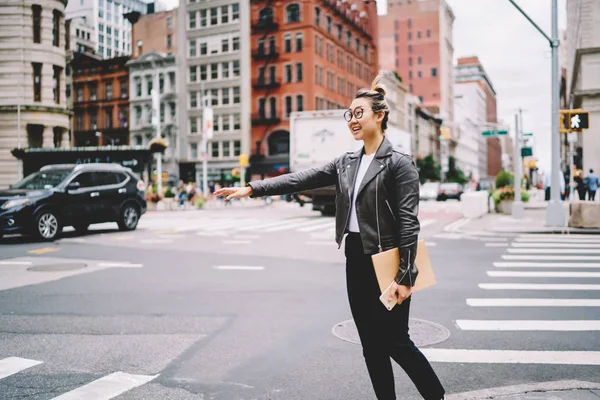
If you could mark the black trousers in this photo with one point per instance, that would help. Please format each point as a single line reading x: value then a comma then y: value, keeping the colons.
x: 592, y: 196
x: 384, y: 333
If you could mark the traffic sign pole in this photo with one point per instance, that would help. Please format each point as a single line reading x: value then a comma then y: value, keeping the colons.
x: 518, y: 209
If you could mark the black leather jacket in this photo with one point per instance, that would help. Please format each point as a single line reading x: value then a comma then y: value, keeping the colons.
x: 392, y: 180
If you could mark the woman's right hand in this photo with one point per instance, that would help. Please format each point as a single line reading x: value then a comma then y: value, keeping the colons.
x: 234, y: 192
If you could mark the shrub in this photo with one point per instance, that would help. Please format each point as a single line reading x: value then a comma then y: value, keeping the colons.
x: 169, y: 193
x: 200, y: 202
x: 508, y: 193
x: 504, y: 179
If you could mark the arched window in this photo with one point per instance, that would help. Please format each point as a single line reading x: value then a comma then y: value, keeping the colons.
x: 266, y: 15
x: 279, y: 143
x: 292, y: 13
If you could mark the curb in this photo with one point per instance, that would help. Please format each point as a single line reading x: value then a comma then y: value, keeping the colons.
x: 455, y: 227
x: 523, y: 389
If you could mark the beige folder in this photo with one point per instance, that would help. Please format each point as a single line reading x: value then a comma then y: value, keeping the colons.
x: 387, y: 263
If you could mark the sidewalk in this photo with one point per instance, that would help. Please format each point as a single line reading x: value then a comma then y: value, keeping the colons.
x: 559, y: 390
x: 534, y: 221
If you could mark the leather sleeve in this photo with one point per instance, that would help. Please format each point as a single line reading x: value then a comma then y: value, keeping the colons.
x: 406, y: 180
x: 296, y: 182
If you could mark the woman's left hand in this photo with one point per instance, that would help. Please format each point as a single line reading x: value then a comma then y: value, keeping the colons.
x: 401, y: 292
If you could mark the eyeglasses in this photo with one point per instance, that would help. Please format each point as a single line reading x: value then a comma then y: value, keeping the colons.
x: 358, y: 113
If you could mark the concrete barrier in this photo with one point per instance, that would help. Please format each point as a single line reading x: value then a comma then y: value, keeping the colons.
x: 584, y: 214
x: 474, y: 204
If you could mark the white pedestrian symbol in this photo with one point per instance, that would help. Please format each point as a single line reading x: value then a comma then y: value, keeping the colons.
x: 575, y: 121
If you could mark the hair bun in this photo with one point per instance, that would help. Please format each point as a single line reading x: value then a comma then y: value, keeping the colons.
x: 377, y: 87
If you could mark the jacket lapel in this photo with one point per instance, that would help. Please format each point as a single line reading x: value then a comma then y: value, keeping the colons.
x: 352, y: 169
x: 385, y: 149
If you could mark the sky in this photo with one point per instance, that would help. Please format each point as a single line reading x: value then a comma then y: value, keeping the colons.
x: 514, y: 54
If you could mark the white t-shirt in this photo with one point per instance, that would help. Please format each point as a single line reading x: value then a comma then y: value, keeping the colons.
x: 365, y: 161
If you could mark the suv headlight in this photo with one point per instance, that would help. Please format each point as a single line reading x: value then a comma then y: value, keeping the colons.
x: 14, y: 203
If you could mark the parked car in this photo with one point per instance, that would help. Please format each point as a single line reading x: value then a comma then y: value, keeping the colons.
x: 449, y: 191
x: 429, y: 191
x: 72, y: 195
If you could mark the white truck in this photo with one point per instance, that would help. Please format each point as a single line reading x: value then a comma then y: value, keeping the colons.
x: 317, y: 137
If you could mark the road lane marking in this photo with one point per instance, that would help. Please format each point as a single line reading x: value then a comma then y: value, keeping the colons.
x: 261, y: 226
x: 44, y: 250
x: 555, y: 236
x: 496, y: 244
x: 493, y: 239
x: 237, y: 241
x: 120, y: 265
x: 239, y: 268
x: 518, y: 264
x: 549, y: 258
x: 512, y: 356
x: 515, y: 302
x: 15, y: 263
x: 554, y: 245
x: 107, y: 387
x: 156, y: 241
x: 319, y: 227
x: 537, y: 286
x: 11, y: 365
x: 291, y: 226
x: 542, y: 274
x: 554, y: 251
x: 527, y: 325
x: 73, y: 240
x: 427, y: 222
x: 556, y: 240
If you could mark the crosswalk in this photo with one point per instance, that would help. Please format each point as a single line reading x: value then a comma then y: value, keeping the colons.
x: 104, y: 388
x: 555, y: 277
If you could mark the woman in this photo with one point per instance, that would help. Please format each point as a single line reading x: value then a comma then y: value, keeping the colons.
x: 376, y: 206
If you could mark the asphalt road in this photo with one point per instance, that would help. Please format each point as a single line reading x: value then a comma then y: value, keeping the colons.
x: 190, y: 306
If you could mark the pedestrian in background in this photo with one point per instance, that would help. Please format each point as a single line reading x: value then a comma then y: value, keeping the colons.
x: 592, y: 185
x: 376, y: 208
x: 580, y: 185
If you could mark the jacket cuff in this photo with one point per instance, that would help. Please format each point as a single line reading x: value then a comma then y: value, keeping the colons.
x: 407, y: 273
x: 256, y: 189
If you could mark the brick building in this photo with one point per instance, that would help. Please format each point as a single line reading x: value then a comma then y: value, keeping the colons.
x: 153, y: 32
x: 306, y: 55
x: 418, y: 37
x: 100, y: 100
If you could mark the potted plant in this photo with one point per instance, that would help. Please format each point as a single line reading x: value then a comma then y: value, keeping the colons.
x: 504, y: 197
x: 200, y: 202
x: 169, y: 198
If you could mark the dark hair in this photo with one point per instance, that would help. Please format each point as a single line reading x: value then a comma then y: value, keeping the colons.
x: 378, y: 102
x: 591, y: 171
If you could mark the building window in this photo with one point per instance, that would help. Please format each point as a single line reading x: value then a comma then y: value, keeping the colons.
x: 410, y: 48
x: 79, y: 93
x: 419, y: 74
x: 419, y: 60
x: 56, y: 84
x: 226, y: 123
x: 203, y: 18
x: 93, y: 92
x: 292, y: 13
x: 214, y: 149
x: 214, y: 97
x: 93, y: 120
x: 328, y: 19
x: 428, y: 32
x: 56, y: 16
x: 288, y: 73
x: 172, y: 80
x: 237, y: 148
x: 236, y: 43
x: 123, y: 89
x: 236, y: 95
x: 225, y: 45
x: 299, y: 72
x: 138, y: 87
x: 192, y: 20
x: 410, y: 74
x: 193, y: 99
x: 214, y: 19
x: 237, y: 124
x: 161, y: 83
x: 272, y: 70
x: 138, y: 114
x: 299, y: 42
x: 214, y: 71
x: 169, y: 22
x: 300, y: 103
x: 108, y: 119
x: 409, y: 35
x: 317, y: 16
x: 36, y: 12
x: 273, y: 107
x: 226, y: 149
x: 224, y: 14
x: 410, y: 61
x: 169, y: 41
x: 287, y: 43
x: 409, y: 23
x: 80, y: 122
x: 418, y: 34
x: 434, y: 72
x: 225, y: 70
x: 235, y: 12
x: 236, y: 68
x: 193, y: 125
x: 193, y: 151
x: 225, y: 96
x: 339, y: 31
x: 203, y: 48
x: 149, y: 85
x: 193, y: 73
x: 108, y: 91
x: 288, y: 106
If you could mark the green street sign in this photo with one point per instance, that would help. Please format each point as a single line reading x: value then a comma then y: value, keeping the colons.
x: 526, y: 152
x: 494, y: 133
x: 528, y: 134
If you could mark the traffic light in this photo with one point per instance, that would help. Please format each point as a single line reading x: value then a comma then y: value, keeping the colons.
x: 578, y: 119
x: 444, y: 133
x: 564, y: 117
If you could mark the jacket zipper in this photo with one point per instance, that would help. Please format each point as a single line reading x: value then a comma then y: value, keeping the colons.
x: 390, y: 208
x: 406, y: 272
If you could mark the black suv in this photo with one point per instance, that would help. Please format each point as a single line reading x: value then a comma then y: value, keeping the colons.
x: 72, y: 195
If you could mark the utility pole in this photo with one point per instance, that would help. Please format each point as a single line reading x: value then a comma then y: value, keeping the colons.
x: 156, y: 117
x: 555, y: 214
x: 518, y: 209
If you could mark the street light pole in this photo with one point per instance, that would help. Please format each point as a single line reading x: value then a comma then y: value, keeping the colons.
x: 156, y: 115
x: 555, y: 214
x: 518, y: 209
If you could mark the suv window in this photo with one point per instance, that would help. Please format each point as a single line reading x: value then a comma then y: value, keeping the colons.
x: 109, y: 178
x: 85, y: 179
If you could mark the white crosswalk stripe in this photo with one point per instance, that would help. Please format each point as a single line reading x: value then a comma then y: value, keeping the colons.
x: 105, y: 388
x: 544, y: 265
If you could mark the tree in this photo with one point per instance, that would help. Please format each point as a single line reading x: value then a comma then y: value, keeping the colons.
x: 454, y: 173
x: 428, y: 170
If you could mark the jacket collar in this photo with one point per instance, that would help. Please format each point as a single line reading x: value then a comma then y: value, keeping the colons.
x: 385, y: 150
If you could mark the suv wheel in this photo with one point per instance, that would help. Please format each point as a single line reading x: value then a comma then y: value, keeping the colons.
x: 130, y: 216
x: 47, y: 225
x: 81, y: 228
